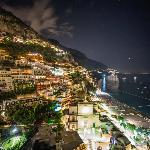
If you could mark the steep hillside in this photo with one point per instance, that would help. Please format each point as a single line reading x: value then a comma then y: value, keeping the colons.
x: 81, y: 58
x: 85, y: 61
x: 15, y: 30
x: 11, y: 24
x: 19, y: 38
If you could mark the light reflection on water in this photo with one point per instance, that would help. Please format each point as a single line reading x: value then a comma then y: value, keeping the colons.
x: 135, y: 94
x: 140, y: 104
x: 104, y: 83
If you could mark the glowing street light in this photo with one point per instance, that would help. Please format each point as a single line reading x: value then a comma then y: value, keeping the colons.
x: 15, y: 130
x: 57, y: 108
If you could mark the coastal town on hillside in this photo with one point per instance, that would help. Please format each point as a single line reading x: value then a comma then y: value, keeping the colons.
x: 62, y: 106
x: 55, y: 98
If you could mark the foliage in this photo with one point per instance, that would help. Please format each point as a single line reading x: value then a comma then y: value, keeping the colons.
x: 20, y: 87
x: 7, y: 63
x: 89, y: 86
x: 76, y: 77
x: 7, y: 95
x: 27, y: 114
x: 124, y: 125
x: 24, y: 87
x: 24, y: 116
x: 121, y: 118
x: 14, y: 143
x: 59, y: 91
x: 131, y: 126
x: 16, y: 49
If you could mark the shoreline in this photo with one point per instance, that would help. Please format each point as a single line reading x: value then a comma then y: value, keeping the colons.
x: 133, y: 107
x: 129, y: 112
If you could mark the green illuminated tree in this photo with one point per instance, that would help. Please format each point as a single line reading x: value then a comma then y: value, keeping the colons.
x: 131, y: 127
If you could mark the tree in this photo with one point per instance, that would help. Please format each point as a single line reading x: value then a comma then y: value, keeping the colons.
x: 76, y: 77
x: 124, y: 125
x: 7, y: 95
x: 24, y: 87
x: 131, y: 127
x: 31, y: 114
x: 24, y: 116
x: 121, y: 119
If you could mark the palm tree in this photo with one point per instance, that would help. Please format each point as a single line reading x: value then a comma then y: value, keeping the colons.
x: 131, y: 127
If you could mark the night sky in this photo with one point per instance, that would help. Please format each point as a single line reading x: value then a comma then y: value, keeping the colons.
x: 115, y: 32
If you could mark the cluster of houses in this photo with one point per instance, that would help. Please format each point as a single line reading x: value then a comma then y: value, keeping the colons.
x: 26, y: 68
x: 9, y: 75
x: 30, y: 67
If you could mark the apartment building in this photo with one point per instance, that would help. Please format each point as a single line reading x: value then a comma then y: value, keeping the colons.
x: 80, y: 116
x: 6, y: 81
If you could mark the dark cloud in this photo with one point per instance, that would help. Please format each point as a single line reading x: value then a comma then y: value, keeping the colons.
x: 69, y: 11
x: 41, y: 17
x: 110, y: 31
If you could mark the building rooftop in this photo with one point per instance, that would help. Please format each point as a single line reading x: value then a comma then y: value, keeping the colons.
x: 72, y: 140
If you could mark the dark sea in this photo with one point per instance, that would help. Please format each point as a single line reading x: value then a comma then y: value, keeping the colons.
x: 133, y: 90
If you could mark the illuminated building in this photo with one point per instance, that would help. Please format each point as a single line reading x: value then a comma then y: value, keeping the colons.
x: 86, y: 116
x: 42, y: 84
x: 82, y: 116
x: 8, y: 76
x: 39, y: 73
x: 58, y: 71
x: 72, y: 120
x: 22, y: 62
x: 21, y: 74
x: 4, y: 55
x: 35, y: 57
x: 6, y: 81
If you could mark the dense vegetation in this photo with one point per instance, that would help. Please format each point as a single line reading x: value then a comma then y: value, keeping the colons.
x: 24, y: 87
x: 29, y: 114
x: 7, y: 95
x: 20, y: 87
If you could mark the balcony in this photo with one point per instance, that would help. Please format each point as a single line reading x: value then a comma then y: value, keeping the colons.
x: 72, y: 119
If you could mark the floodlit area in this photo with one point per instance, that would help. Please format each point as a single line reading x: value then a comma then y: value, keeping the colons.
x: 93, y: 138
x: 132, y: 133
x: 15, y: 142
